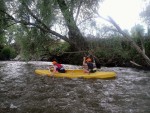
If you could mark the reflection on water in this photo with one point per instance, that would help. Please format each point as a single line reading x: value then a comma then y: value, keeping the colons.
x: 22, y: 91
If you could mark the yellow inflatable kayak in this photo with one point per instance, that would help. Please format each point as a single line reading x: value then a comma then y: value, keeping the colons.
x: 78, y: 74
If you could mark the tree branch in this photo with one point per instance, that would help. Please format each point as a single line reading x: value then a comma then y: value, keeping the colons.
x: 44, y: 28
x: 78, y: 10
x: 131, y: 41
x: 133, y: 44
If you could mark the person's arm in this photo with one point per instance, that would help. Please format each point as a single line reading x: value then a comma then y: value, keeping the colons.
x: 84, y: 58
x: 54, y: 69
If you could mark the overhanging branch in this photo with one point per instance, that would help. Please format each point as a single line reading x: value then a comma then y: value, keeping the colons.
x: 42, y: 27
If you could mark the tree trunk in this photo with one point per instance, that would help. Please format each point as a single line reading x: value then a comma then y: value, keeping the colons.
x: 131, y: 41
x: 76, y: 38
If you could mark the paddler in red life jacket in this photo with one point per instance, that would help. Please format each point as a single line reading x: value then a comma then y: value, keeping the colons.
x: 88, y: 65
x: 58, y: 67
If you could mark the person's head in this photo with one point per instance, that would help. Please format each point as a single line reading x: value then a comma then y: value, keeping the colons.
x: 88, y: 59
x: 54, y: 62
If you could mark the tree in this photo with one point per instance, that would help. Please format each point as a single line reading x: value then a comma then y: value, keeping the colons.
x: 75, y: 36
x: 43, y: 15
x: 137, y: 32
x: 133, y: 44
x: 3, y: 22
x: 128, y: 37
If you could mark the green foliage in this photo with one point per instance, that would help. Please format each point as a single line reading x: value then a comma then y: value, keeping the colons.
x: 46, y: 11
x: 3, y: 20
x: 147, y: 46
x: 2, y: 39
x: 33, y: 42
x: 58, y: 48
x: 7, y: 53
x: 117, y: 49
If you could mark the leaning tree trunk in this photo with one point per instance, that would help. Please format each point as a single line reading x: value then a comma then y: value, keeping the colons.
x: 76, y: 38
x: 138, y: 49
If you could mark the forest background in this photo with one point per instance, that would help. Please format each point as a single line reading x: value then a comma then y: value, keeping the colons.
x: 67, y: 30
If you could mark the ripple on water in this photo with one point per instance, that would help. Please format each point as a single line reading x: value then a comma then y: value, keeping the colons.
x: 21, y: 91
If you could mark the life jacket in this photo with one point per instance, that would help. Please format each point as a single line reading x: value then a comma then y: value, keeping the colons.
x: 59, y: 66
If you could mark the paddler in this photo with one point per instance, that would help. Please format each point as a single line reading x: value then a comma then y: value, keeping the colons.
x: 57, y: 67
x: 88, y: 65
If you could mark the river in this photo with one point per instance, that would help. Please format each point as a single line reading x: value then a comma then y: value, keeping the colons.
x: 22, y: 91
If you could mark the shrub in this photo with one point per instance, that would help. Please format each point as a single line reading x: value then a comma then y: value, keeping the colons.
x: 7, y: 53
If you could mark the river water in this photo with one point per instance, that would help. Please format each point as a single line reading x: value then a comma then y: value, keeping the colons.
x: 22, y: 91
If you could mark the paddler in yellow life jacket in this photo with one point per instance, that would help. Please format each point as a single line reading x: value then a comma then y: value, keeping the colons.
x: 57, y: 67
x: 88, y: 65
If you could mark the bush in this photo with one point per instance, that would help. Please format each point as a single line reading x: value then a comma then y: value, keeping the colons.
x: 7, y: 53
